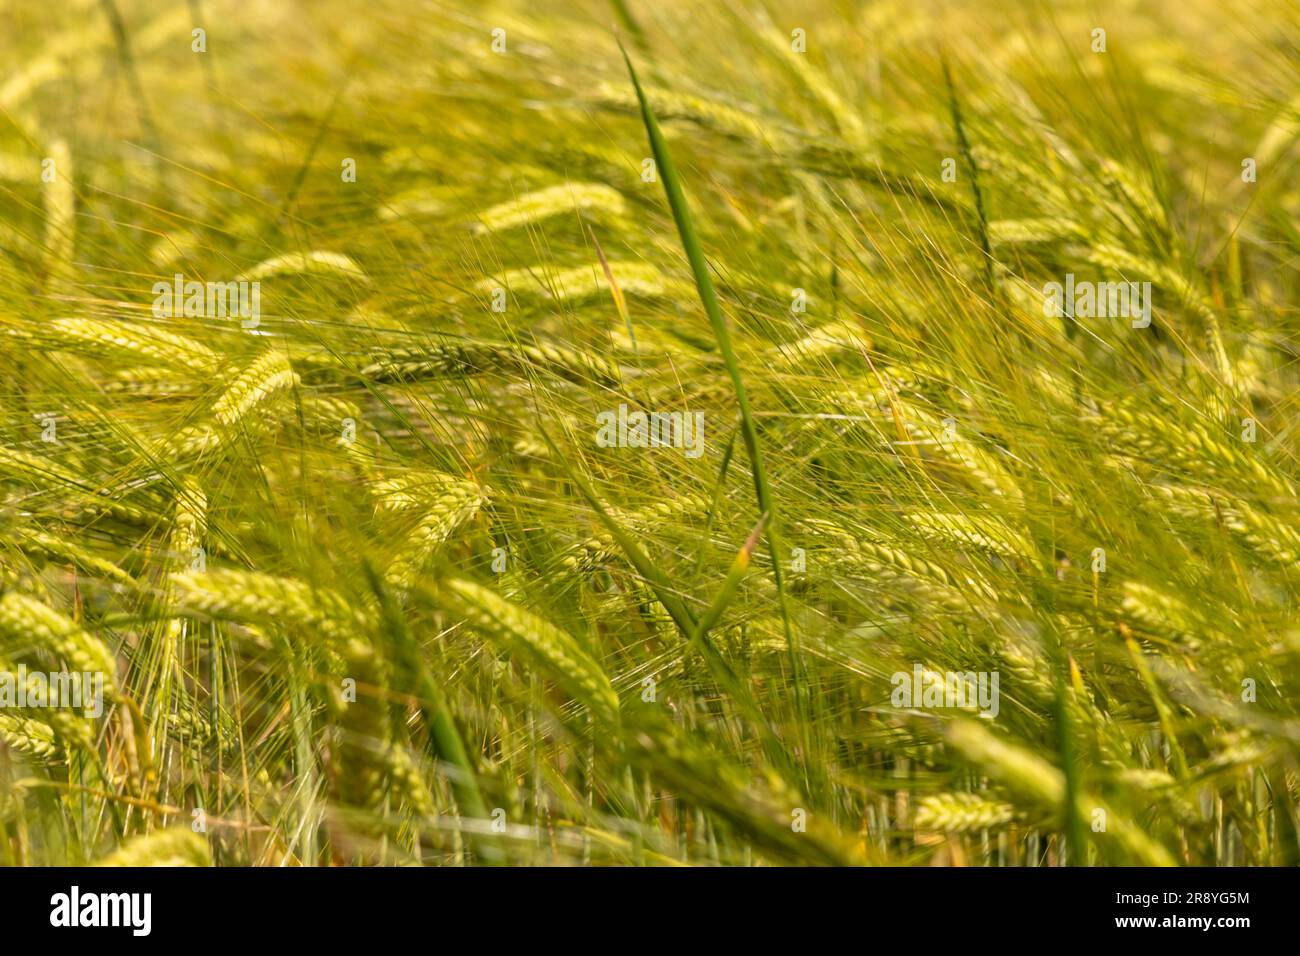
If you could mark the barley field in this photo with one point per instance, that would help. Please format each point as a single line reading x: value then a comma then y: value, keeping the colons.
x: 657, y: 434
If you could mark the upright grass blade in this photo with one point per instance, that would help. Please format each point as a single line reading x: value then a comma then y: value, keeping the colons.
x: 709, y: 299
x: 727, y: 591
x: 658, y: 582
x: 624, y: 14
x: 620, y: 300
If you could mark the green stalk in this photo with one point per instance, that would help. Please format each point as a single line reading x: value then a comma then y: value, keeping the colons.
x: 709, y: 299
x: 441, y: 727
